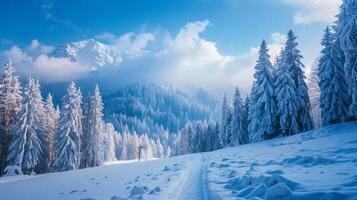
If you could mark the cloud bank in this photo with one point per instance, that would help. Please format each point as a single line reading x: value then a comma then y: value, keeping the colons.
x: 186, y: 59
x: 311, y: 11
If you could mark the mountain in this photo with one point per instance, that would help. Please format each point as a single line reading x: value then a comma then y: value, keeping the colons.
x: 146, y: 108
x: 89, y: 53
x: 153, y: 108
x: 319, y: 164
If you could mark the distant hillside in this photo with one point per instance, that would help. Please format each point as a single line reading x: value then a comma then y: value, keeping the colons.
x: 146, y: 108
x: 152, y: 108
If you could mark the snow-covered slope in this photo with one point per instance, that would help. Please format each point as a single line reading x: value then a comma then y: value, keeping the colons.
x: 321, y: 164
x: 89, y: 53
x: 147, y: 108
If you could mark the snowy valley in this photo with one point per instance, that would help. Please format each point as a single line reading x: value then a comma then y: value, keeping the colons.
x: 319, y: 164
x: 130, y: 104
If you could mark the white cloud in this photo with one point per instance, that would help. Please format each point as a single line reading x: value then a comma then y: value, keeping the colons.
x: 131, y: 44
x: 36, y: 48
x: 57, y: 69
x: 186, y: 60
x: 16, y: 55
x: 34, y: 61
x: 193, y: 61
x: 310, y: 11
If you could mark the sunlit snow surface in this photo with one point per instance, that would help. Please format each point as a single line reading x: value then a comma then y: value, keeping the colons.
x: 321, y: 164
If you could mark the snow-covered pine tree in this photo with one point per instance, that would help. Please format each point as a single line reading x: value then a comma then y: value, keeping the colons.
x: 69, y: 131
x: 216, y: 141
x: 133, y: 150
x: 10, y: 104
x: 262, y: 109
x: 286, y: 100
x: 237, y: 118
x: 51, y: 122
x: 168, y: 152
x: 124, y: 146
x: 347, y: 38
x: 334, y: 96
x: 292, y: 59
x: 110, y: 142
x: 314, y: 95
x: 85, y: 128
x: 27, y: 148
x: 182, y: 147
x: 210, y: 134
x: 198, y: 138
x: 244, y: 134
x: 148, y: 152
x: 159, y: 149
x: 225, y: 126
x: 188, y: 131
x: 93, y: 151
x: 43, y: 166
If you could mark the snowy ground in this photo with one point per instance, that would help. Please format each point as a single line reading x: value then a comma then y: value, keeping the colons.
x: 321, y: 164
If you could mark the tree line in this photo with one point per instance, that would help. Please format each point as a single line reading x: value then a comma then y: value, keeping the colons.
x: 278, y: 103
x: 37, y: 137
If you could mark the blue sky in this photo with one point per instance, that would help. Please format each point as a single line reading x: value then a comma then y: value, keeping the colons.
x: 234, y: 27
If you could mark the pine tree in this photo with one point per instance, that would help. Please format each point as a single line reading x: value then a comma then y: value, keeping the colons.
x: 190, y: 138
x: 93, y: 152
x: 225, y: 126
x: 51, y: 122
x: 148, y: 152
x: 68, y: 141
x: 159, y: 149
x: 237, y: 119
x: 334, y: 90
x: 27, y: 147
x: 292, y: 60
x: 133, y: 146
x: 244, y: 134
x: 85, y: 129
x: 262, y: 109
x: 168, y: 152
x: 10, y: 104
x: 210, y: 137
x: 216, y: 141
x: 286, y: 100
x: 110, y: 142
x: 347, y: 38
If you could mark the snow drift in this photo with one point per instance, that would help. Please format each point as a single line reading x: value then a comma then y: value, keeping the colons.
x: 320, y: 164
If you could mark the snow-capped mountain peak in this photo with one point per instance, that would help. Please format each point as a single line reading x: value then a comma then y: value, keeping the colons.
x: 89, y: 52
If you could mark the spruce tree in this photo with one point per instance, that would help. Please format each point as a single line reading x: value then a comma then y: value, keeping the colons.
x: 347, y: 38
x: 51, y: 122
x: 292, y: 60
x: 244, y: 134
x: 27, y: 147
x: 334, y: 96
x: 93, y: 151
x: 225, y: 126
x: 262, y: 109
x: 10, y: 104
x: 237, y: 119
x: 68, y: 141
x: 285, y: 91
x: 159, y: 149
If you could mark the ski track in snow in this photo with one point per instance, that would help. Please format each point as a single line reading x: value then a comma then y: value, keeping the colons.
x: 193, y: 183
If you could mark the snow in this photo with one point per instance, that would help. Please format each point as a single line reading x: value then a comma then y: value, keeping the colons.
x: 89, y: 53
x: 320, y: 164
x: 12, y: 170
